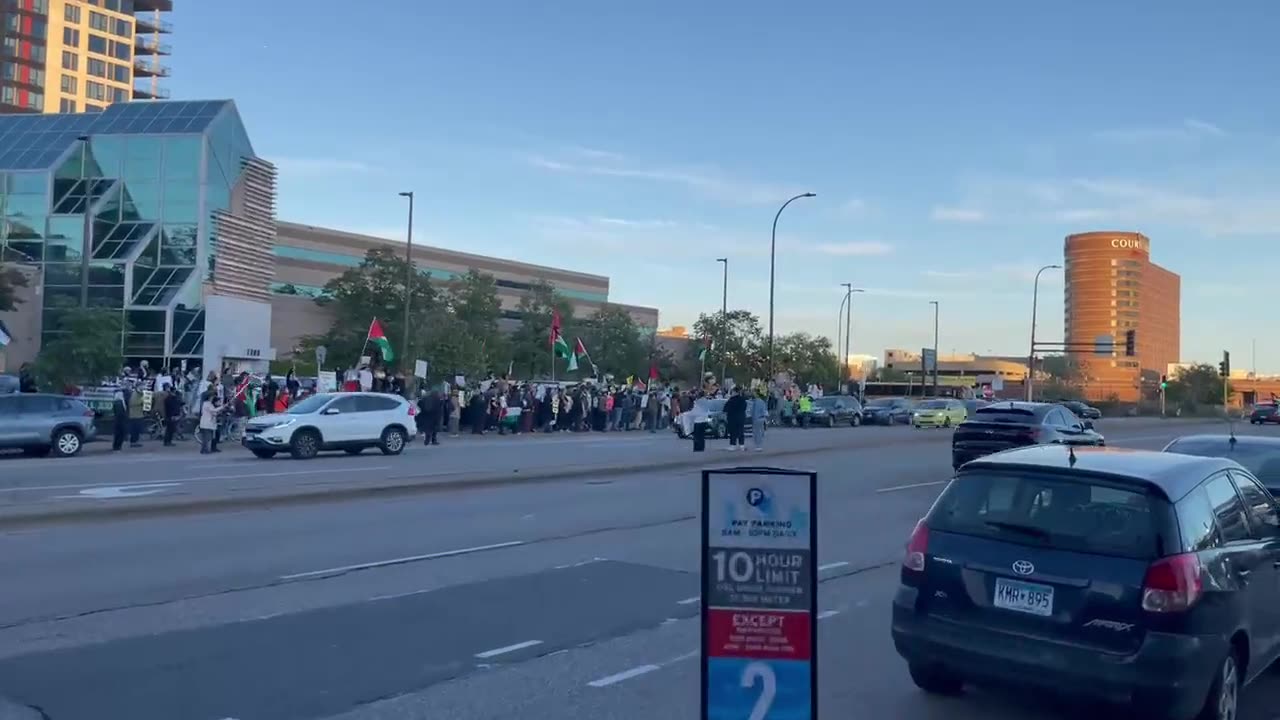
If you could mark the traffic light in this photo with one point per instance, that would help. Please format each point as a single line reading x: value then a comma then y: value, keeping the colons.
x: 1224, y: 367
x: 1164, y: 382
x: 1130, y: 340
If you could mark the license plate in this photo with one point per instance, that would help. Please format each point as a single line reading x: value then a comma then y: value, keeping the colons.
x: 1024, y: 597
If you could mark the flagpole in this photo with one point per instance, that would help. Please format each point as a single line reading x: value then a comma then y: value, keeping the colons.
x: 365, y: 346
x: 553, y: 360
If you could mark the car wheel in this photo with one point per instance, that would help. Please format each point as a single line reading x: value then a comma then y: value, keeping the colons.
x: 67, y: 443
x: 264, y: 454
x: 1224, y: 694
x: 305, y: 445
x: 856, y: 420
x: 936, y: 680
x: 393, y: 441
x: 353, y: 450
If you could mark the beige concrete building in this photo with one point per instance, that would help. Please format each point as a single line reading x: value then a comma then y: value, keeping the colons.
x: 308, y: 257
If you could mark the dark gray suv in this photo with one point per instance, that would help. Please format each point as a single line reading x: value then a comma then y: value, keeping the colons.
x: 39, y: 425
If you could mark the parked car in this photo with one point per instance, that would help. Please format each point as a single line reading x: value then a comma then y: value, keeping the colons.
x: 972, y: 404
x: 833, y: 410
x: 1005, y: 425
x: 39, y: 424
x: 887, y: 411
x: 1084, y: 411
x: 352, y: 422
x: 1259, y: 454
x: 1265, y: 413
x: 709, y: 411
x: 1135, y: 577
x: 939, y: 412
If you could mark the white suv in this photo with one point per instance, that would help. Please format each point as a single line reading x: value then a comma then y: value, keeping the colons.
x: 334, y: 421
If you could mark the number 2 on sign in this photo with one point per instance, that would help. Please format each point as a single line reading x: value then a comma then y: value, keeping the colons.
x: 768, y: 688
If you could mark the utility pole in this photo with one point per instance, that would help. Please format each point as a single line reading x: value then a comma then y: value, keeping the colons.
x: 408, y: 289
x: 934, y: 303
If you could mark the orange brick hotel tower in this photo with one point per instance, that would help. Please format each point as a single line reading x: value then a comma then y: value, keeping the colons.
x: 1112, y: 287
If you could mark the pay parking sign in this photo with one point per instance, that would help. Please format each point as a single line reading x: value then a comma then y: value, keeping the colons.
x: 759, y: 594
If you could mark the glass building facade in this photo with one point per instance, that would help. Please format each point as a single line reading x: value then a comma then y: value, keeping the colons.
x: 118, y: 211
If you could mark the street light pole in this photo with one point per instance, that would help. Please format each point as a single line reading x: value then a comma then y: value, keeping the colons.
x: 840, y: 327
x: 934, y: 303
x: 723, y: 337
x: 1035, y: 299
x: 408, y: 280
x: 848, y: 331
x: 773, y: 248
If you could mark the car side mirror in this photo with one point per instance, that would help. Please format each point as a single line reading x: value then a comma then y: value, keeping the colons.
x: 331, y: 411
x: 1088, y: 424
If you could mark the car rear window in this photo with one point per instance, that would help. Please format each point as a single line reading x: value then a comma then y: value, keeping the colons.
x: 1049, y: 511
x: 1020, y: 416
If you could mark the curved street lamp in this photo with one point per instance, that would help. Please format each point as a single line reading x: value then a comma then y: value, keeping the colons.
x: 1031, y: 355
x: 773, y: 248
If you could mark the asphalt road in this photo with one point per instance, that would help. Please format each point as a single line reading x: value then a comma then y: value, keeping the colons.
x: 572, y: 599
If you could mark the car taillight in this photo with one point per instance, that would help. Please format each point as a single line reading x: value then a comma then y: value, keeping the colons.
x: 1173, y: 584
x: 412, y: 410
x: 917, y: 546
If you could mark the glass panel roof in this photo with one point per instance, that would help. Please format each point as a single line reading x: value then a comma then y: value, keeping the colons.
x: 34, y: 142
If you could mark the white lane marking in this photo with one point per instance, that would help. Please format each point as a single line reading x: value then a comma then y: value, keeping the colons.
x: 624, y: 675
x: 827, y: 614
x: 77, y: 486
x: 112, y: 492
x: 681, y: 658
x: 896, y: 488
x: 690, y: 601
x: 580, y: 564
x: 508, y: 649
x: 832, y: 566
x: 401, y: 560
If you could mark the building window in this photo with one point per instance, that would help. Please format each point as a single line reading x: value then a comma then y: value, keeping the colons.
x: 13, y: 23
x: 121, y: 50
x: 96, y: 67
x: 122, y: 28
x: 95, y: 90
x: 119, y: 95
x: 71, y: 13
x: 98, y: 44
x: 40, y: 6
x: 8, y: 95
x: 68, y: 105
x: 37, y: 53
x: 113, y: 5
x: 70, y: 84
x: 39, y: 28
x: 120, y: 73
x: 98, y: 21
x: 71, y: 36
x: 11, y: 46
x: 36, y: 78
x: 35, y: 101
x: 70, y: 61
x: 90, y: 107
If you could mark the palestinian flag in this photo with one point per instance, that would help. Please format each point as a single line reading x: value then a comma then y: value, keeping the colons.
x: 579, y: 351
x: 379, y: 338
x: 707, y: 347
x: 558, y: 346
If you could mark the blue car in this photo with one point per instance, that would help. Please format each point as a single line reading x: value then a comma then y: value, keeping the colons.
x: 1140, y: 578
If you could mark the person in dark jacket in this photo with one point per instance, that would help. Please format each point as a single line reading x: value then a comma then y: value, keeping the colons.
x: 735, y: 420
x: 172, y: 414
x: 430, y: 412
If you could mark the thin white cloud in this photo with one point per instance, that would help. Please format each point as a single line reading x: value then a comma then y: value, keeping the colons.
x: 859, y: 249
x: 957, y: 214
x: 625, y: 222
x: 1080, y: 215
x: 596, y: 154
x: 853, y: 207
x: 313, y: 166
x: 1188, y: 130
x: 708, y: 181
x: 947, y: 274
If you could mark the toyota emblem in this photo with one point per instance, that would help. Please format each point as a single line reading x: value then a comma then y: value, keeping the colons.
x: 1024, y: 567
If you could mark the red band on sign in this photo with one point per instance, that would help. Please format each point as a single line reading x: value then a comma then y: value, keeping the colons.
x: 759, y: 634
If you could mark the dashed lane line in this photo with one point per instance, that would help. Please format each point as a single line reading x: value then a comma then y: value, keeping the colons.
x: 507, y: 649
x: 401, y: 560
x: 623, y: 676
x: 832, y: 566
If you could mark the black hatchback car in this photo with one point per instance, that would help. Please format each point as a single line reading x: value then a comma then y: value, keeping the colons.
x: 1259, y: 454
x: 1263, y: 414
x: 1005, y: 425
x: 1134, y: 577
x: 1083, y: 411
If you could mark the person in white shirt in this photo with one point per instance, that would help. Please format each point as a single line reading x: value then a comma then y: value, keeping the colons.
x: 366, y: 379
x: 208, y: 422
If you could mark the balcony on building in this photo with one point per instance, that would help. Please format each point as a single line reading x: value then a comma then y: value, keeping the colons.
x: 140, y: 6
x: 148, y: 45
x: 149, y: 68
x: 149, y: 93
x: 148, y: 24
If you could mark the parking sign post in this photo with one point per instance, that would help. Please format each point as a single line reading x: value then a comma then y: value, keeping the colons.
x: 759, y: 594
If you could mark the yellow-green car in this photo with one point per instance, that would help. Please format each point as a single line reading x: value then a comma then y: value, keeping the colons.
x: 939, y: 413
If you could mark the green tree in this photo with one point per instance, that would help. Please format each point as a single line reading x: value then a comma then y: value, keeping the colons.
x: 11, y: 279
x: 1195, y: 386
x: 84, y: 348
x: 615, y: 343
x: 464, y: 337
x: 287, y: 289
x: 1063, y: 368
x: 808, y: 358
x: 738, y: 344
x: 376, y: 289
x: 530, y: 343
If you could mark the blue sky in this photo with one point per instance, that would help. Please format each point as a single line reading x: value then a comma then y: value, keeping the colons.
x: 952, y: 146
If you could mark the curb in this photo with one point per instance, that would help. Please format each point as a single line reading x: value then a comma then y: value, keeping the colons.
x: 22, y: 520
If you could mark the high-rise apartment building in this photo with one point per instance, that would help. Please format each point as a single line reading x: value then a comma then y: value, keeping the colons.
x: 60, y: 56
x: 1112, y: 287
